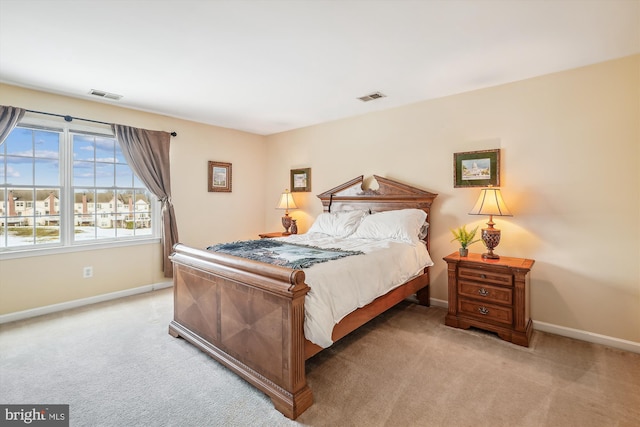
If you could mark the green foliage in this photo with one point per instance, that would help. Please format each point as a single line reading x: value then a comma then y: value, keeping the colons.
x: 464, y: 237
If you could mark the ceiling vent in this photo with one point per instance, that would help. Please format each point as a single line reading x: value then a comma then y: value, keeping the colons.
x: 103, y: 94
x: 371, y: 97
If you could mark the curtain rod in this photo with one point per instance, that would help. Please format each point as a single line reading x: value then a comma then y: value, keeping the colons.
x: 69, y: 118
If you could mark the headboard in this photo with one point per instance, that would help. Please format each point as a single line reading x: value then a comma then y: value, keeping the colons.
x: 390, y: 195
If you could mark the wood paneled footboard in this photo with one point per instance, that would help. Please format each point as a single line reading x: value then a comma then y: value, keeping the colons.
x: 247, y: 315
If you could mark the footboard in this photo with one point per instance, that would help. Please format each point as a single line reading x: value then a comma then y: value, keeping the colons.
x: 247, y: 315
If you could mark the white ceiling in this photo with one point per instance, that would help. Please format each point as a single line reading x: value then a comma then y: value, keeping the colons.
x: 267, y: 66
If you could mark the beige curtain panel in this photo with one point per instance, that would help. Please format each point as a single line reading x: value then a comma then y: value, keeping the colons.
x: 147, y: 153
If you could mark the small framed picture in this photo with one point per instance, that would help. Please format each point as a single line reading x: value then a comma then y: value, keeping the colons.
x: 219, y: 177
x: 476, y: 169
x: 300, y: 180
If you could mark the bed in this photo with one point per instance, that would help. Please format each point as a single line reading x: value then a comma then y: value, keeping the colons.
x: 250, y: 315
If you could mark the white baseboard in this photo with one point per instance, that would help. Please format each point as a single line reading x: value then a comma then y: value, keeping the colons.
x: 571, y: 333
x: 25, y: 314
x: 439, y: 303
x: 587, y: 336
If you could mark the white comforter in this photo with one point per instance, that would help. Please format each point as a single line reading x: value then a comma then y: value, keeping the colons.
x: 339, y: 287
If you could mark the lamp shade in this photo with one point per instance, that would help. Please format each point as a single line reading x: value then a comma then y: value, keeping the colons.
x: 490, y: 202
x: 286, y: 201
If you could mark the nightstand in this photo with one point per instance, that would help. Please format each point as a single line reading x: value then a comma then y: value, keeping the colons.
x: 491, y: 295
x: 274, y: 234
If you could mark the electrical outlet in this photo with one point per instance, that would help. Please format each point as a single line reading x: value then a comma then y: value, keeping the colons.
x: 87, y: 272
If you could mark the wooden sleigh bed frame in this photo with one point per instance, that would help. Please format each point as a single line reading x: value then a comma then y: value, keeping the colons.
x: 249, y: 315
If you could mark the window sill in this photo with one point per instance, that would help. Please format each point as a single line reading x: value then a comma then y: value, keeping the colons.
x: 31, y: 252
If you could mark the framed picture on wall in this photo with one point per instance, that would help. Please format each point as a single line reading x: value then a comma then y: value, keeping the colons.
x: 300, y: 180
x: 476, y: 169
x: 219, y: 177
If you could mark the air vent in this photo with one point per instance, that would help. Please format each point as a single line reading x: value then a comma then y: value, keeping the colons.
x: 371, y: 97
x: 103, y: 94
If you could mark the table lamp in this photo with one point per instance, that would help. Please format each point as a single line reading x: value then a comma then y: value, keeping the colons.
x: 490, y: 203
x: 286, y: 202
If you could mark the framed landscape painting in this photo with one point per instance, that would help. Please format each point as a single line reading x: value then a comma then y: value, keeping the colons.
x: 476, y: 169
x: 219, y: 177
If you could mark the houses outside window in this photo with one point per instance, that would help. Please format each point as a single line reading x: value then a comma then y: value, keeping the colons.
x: 63, y: 186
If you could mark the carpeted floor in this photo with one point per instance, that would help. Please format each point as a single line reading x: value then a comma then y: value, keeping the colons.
x: 115, y: 365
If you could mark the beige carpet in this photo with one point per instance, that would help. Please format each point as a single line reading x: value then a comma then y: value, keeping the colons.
x: 116, y: 365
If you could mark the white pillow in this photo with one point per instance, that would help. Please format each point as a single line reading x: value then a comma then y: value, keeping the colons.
x: 403, y: 225
x: 338, y: 224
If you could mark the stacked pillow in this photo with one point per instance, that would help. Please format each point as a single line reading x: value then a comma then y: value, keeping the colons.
x: 403, y: 225
x: 338, y: 224
x: 406, y: 225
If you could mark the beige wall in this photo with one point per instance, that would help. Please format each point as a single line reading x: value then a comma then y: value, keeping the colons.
x: 570, y: 174
x: 570, y: 153
x: 203, y: 218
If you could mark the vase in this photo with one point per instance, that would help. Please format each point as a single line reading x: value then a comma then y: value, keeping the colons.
x: 463, y: 251
x: 286, y: 223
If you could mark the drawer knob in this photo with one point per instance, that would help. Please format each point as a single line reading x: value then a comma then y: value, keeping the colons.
x: 483, y: 276
x: 483, y: 292
x: 483, y: 310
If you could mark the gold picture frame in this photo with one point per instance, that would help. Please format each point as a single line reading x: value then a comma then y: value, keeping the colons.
x: 300, y: 180
x: 220, y: 177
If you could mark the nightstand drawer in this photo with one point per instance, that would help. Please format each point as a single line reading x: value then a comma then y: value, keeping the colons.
x: 483, y: 276
x: 486, y: 311
x: 489, y: 293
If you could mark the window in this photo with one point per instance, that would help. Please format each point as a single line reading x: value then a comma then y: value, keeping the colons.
x: 62, y: 186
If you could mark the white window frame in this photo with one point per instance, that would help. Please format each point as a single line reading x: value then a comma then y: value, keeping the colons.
x: 67, y: 243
